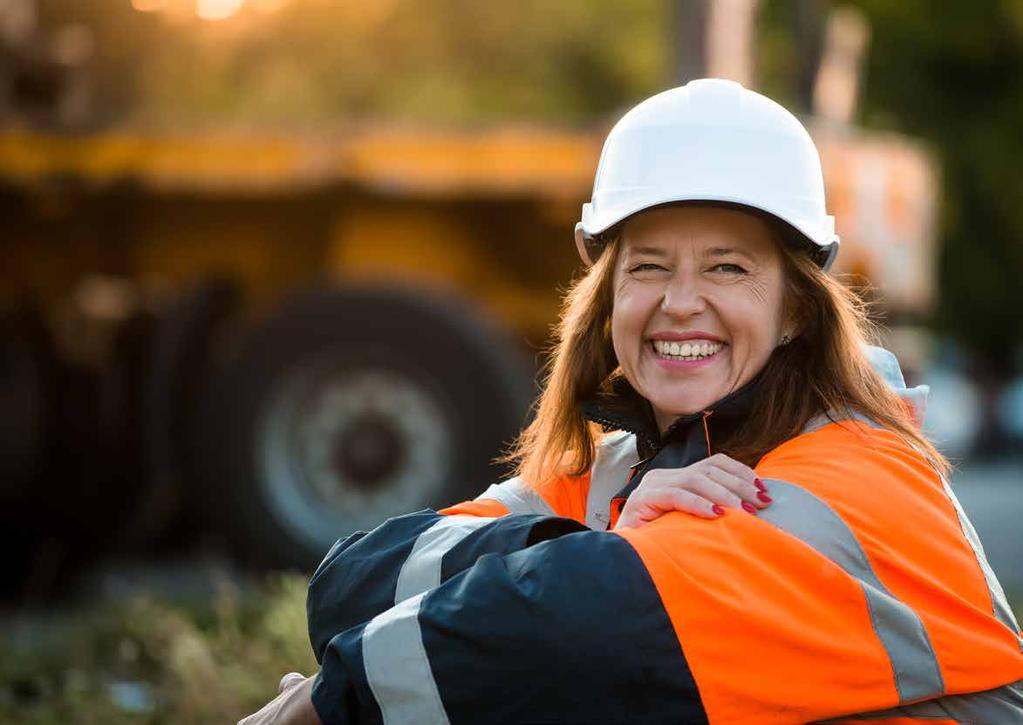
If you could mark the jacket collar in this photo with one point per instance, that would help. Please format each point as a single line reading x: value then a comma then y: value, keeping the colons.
x: 624, y: 409
x: 689, y: 439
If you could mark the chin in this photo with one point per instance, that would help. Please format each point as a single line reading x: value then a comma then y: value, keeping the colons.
x: 690, y: 405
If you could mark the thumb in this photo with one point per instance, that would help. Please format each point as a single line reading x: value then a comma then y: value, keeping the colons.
x: 290, y: 680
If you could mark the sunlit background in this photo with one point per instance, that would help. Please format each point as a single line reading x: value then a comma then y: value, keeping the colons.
x: 274, y: 270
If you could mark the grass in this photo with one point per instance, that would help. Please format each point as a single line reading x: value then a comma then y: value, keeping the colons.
x: 153, y: 661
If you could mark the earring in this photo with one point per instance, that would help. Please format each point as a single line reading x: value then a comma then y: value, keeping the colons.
x: 785, y: 340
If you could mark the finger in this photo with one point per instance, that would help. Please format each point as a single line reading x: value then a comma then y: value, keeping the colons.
x: 697, y: 481
x: 266, y: 714
x: 744, y: 472
x: 737, y: 468
x: 678, y: 499
x: 290, y: 680
x: 740, y: 487
x: 708, y: 488
x: 646, y: 506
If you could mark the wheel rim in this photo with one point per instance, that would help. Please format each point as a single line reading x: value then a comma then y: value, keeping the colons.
x: 343, y: 445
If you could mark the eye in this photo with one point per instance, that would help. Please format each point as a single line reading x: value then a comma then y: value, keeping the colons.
x: 645, y: 267
x: 729, y: 268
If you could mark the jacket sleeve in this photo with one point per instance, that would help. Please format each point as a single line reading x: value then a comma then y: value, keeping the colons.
x: 604, y: 627
x: 684, y: 620
x: 566, y: 630
x: 367, y: 573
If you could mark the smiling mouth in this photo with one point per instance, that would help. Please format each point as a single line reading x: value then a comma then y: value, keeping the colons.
x: 689, y: 350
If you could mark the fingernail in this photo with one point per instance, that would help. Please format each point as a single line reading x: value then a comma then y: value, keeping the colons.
x: 759, y: 484
x: 719, y: 510
x: 749, y: 507
x: 764, y: 497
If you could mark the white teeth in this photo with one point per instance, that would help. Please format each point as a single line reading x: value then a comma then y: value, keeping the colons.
x: 687, y: 350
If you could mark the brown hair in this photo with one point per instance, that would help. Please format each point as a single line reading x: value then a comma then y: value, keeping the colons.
x: 823, y: 369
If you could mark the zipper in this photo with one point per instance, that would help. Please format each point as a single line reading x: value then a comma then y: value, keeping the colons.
x: 618, y: 425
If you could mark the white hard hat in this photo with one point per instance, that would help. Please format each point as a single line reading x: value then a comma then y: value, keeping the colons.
x: 709, y: 140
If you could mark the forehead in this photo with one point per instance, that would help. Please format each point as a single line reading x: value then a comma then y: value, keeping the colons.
x: 698, y: 229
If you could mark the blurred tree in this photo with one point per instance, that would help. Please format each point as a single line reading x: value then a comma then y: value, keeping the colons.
x: 321, y: 61
x: 954, y: 77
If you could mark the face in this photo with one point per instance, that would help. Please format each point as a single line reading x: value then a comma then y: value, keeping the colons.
x: 697, y: 305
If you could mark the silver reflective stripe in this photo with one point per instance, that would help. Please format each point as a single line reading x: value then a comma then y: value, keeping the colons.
x: 615, y: 457
x: 398, y: 669
x: 816, y: 423
x: 999, y: 603
x: 518, y: 497
x: 914, y: 664
x: 825, y: 419
x: 1000, y: 705
x: 421, y: 571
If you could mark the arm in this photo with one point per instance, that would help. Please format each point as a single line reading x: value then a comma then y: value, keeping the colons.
x: 524, y: 637
x: 682, y: 619
x: 364, y: 575
x: 367, y: 573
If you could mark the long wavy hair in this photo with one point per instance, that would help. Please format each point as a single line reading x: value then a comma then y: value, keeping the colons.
x: 824, y: 368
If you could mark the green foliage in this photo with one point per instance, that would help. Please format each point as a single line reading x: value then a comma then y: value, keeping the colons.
x: 315, y: 62
x: 955, y: 78
x: 154, y: 661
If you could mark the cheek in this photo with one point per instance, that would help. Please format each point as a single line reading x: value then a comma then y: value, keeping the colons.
x: 769, y: 328
x: 755, y: 321
x: 627, y: 323
x: 619, y: 332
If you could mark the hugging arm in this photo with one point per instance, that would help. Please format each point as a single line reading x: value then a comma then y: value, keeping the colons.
x: 368, y: 573
x: 567, y: 630
x: 683, y: 620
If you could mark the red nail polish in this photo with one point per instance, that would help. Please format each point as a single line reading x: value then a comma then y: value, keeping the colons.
x: 749, y: 507
x: 719, y: 510
x: 764, y: 497
x: 759, y: 484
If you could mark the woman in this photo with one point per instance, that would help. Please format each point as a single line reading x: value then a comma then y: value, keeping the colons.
x: 725, y: 511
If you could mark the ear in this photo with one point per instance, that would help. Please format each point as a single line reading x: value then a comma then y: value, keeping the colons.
x: 789, y: 332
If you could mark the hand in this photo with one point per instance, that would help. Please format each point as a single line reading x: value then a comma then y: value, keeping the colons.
x: 293, y: 706
x: 703, y: 489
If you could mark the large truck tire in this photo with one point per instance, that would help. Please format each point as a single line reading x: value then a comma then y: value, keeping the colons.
x: 178, y: 363
x: 23, y: 407
x: 351, y: 406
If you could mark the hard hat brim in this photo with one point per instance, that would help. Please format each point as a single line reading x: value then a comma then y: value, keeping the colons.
x: 823, y: 244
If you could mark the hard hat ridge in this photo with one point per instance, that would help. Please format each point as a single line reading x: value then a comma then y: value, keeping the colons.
x: 710, y: 140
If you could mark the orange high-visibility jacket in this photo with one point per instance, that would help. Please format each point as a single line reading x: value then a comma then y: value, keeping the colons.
x: 860, y: 595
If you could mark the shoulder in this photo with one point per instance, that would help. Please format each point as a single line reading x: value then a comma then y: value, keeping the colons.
x: 845, y: 451
x: 870, y: 477
x: 573, y: 496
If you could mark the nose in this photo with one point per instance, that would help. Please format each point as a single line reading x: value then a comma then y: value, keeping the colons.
x: 682, y: 297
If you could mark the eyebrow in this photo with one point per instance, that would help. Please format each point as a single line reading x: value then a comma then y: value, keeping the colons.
x: 653, y: 251
x: 725, y: 251
x: 712, y: 252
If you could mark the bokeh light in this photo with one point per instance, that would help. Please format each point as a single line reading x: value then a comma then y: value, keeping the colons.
x: 217, y: 9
